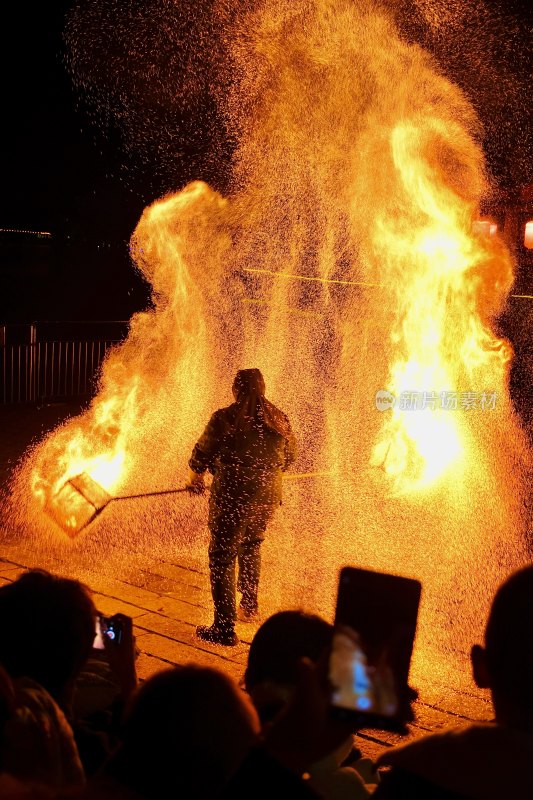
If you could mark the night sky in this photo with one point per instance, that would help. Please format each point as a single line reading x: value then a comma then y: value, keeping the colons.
x: 59, y: 175
x: 62, y: 172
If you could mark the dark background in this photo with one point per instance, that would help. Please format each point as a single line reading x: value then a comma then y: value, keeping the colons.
x: 60, y: 175
x: 62, y: 171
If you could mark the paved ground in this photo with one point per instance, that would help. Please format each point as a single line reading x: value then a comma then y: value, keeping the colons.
x: 167, y: 600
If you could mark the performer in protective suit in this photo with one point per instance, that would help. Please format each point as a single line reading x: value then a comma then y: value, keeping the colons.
x: 246, y: 447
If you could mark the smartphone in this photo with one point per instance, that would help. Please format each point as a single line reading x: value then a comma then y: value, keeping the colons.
x: 375, y: 626
x: 109, y: 627
x: 112, y: 629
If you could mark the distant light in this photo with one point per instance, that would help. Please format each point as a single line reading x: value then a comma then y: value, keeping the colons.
x: 485, y: 227
x: 528, y: 235
x: 31, y: 233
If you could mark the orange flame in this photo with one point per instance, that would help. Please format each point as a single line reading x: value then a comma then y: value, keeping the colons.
x: 160, y: 373
x: 452, y: 283
x: 343, y: 261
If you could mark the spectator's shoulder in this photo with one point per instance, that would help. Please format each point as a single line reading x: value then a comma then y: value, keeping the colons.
x: 400, y: 784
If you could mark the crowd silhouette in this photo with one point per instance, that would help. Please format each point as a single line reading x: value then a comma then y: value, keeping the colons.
x: 74, y: 723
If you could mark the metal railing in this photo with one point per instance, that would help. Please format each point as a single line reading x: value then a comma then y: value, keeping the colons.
x: 51, y: 370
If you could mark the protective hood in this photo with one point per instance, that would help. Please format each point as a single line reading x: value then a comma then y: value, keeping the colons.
x: 252, y: 405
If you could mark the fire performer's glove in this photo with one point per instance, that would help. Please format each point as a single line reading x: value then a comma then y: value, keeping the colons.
x: 195, y: 484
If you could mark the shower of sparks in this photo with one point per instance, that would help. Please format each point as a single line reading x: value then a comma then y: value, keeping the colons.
x: 355, y: 185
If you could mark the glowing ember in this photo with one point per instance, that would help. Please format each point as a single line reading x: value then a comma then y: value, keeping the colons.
x: 346, y: 265
x: 76, y: 504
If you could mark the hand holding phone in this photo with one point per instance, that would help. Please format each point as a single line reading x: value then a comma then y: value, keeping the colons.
x: 305, y: 731
x: 375, y: 625
x: 116, y: 637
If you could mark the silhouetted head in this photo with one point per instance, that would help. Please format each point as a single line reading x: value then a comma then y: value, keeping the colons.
x: 188, y: 726
x: 277, y: 647
x: 248, y: 382
x: 47, y: 629
x: 505, y: 664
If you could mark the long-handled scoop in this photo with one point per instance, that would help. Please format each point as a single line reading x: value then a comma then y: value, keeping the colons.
x: 81, y: 499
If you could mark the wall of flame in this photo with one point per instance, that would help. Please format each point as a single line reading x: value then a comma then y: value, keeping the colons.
x: 342, y: 261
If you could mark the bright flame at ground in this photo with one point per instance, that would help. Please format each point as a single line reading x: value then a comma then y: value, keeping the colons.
x: 441, y: 333
x: 344, y: 261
